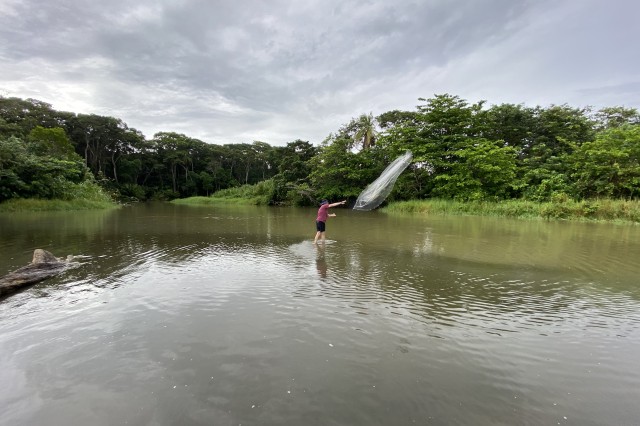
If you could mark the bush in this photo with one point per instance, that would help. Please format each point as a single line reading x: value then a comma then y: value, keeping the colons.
x: 563, y: 208
x: 261, y: 193
x: 132, y: 192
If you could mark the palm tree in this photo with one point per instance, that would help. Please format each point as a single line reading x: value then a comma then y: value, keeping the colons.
x: 365, y: 131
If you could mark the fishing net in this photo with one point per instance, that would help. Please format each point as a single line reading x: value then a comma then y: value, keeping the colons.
x: 379, y: 190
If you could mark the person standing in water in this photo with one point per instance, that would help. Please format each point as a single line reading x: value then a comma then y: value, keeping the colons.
x: 323, y: 215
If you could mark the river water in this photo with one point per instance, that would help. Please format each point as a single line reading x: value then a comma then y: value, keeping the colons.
x: 178, y: 315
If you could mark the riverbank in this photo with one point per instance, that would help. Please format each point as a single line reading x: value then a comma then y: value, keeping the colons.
x: 588, y: 210
x: 606, y: 210
x: 35, y: 205
x: 211, y: 201
x: 256, y: 195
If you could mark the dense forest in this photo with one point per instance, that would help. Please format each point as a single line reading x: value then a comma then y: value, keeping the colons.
x: 461, y: 151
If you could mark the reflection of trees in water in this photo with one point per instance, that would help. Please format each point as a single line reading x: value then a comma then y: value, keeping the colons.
x: 447, y: 290
x: 444, y: 268
x: 526, y: 243
x: 117, y: 244
x: 61, y: 233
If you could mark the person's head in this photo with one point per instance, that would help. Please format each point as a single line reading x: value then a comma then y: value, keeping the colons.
x: 323, y: 202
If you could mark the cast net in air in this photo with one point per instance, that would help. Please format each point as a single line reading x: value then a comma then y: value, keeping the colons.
x: 379, y: 190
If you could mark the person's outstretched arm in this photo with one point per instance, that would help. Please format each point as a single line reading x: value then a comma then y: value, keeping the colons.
x: 338, y: 203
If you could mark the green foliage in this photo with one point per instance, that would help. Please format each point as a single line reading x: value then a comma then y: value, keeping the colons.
x: 35, y: 205
x: 611, y: 117
x: 512, y: 124
x: 560, y: 208
x: 462, y: 151
x: 290, y: 183
x: 20, y: 116
x: 258, y: 194
x: 207, y: 201
x: 337, y: 172
x: 206, y: 182
x: 87, y: 190
x: 447, y: 124
x: 556, y: 132
x: 51, y: 142
x: 482, y: 170
x: 8, y: 129
x: 131, y: 192
x: 34, y: 173
x: 365, y: 131
x: 548, y: 183
x: 103, y: 142
x: 300, y: 195
x: 610, y: 165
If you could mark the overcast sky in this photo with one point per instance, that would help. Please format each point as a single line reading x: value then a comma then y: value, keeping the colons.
x: 276, y: 71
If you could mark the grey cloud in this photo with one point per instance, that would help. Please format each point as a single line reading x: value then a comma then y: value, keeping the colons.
x: 224, y: 71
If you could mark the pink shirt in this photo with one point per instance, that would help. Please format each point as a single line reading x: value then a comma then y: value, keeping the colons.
x: 323, y: 213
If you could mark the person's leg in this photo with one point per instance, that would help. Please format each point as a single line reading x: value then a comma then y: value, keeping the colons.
x: 320, y: 228
x: 322, y: 237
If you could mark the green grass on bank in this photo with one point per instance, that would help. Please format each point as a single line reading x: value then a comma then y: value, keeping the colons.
x: 597, y: 210
x: 86, y: 195
x: 211, y: 201
x: 35, y: 205
x: 258, y: 195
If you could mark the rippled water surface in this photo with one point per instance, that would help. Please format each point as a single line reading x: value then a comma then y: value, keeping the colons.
x: 229, y: 315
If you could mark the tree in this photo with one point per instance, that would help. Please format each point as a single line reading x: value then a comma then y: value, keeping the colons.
x: 175, y: 149
x: 397, y: 118
x: 483, y: 170
x: 293, y: 160
x: 207, y: 183
x: 512, y: 124
x: 337, y: 172
x: 8, y: 129
x: 610, y: 117
x: 13, y: 156
x: 264, y: 160
x: 610, y: 165
x: 365, y: 133
x: 447, y: 125
x: 23, y: 115
x: 556, y: 133
x: 51, y: 142
x: 26, y: 174
x: 291, y: 181
x: 102, y: 141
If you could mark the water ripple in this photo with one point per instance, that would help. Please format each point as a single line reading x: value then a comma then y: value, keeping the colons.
x: 262, y: 330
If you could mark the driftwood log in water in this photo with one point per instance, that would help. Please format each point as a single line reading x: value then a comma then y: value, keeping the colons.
x: 44, y: 265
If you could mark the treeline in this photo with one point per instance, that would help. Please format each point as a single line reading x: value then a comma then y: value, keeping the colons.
x: 123, y: 161
x: 461, y: 151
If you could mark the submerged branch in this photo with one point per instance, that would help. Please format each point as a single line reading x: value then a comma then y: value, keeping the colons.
x: 44, y: 265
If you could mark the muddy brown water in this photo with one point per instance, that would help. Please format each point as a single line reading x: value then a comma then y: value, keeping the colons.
x: 230, y: 315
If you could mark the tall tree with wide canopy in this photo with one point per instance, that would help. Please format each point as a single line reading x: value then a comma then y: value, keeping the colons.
x: 102, y: 141
x: 556, y: 132
x: 609, y: 166
x: 338, y: 172
x: 610, y: 117
x: 176, y: 150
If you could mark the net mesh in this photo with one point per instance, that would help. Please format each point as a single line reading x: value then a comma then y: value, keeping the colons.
x: 379, y: 190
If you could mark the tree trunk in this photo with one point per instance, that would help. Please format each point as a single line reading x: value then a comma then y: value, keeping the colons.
x: 114, y: 161
x: 43, y: 266
x: 173, y: 177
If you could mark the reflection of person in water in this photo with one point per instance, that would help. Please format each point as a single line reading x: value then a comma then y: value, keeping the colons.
x: 321, y: 263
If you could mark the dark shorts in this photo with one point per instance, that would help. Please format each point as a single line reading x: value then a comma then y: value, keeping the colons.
x: 320, y: 226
